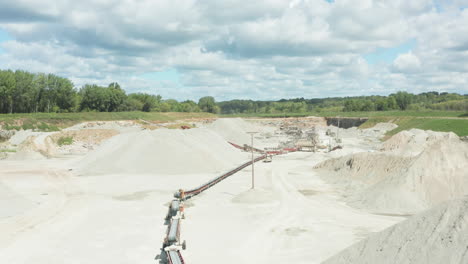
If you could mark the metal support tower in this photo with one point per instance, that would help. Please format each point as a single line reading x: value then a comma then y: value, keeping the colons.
x: 252, y: 148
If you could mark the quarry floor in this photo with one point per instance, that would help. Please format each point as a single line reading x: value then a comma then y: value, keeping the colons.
x: 291, y: 215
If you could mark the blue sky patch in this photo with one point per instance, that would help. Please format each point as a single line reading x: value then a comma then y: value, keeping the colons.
x: 388, y: 55
x: 4, y: 36
x: 169, y: 75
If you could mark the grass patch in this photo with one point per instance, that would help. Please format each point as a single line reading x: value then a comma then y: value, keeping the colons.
x: 65, y: 141
x: 458, y: 126
x: 56, y: 121
x: 25, y: 124
x: 8, y: 150
x: 360, y: 114
x: 372, y: 121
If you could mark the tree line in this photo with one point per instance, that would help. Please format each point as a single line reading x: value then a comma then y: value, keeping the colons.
x: 25, y: 92
x: 397, y: 101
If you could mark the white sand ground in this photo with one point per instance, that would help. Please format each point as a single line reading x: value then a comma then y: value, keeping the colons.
x: 107, y: 211
x: 305, y: 222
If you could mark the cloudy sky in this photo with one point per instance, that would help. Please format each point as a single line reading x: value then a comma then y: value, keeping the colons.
x: 262, y: 49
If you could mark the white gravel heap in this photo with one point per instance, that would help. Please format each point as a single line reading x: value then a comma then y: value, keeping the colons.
x: 233, y: 129
x: 415, y: 141
x: 436, y: 236
x: 385, y: 182
x: 162, y: 151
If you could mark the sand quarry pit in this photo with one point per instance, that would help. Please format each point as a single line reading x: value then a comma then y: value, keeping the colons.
x: 104, y: 197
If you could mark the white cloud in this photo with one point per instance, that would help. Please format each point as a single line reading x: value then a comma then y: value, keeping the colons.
x: 266, y: 49
x: 407, y: 63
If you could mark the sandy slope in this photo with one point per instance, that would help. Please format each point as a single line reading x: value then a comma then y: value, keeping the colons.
x: 428, y: 168
x: 436, y: 236
x: 162, y: 151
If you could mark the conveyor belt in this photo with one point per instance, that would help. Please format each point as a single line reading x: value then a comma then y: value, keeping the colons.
x: 175, y: 205
x: 175, y: 257
x: 173, y: 231
x: 190, y: 193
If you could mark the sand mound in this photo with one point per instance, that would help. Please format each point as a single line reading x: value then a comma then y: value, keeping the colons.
x: 435, y: 236
x: 254, y: 196
x: 386, y: 183
x: 162, y: 151
x: 233, y: 129
x: 36, y: 146
x: 20, y: 136
x: 6, y: 134
x: 414, y: 141
x: 377, y: 131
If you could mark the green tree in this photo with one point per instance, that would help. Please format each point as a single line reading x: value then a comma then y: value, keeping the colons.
x: 208, y: 104
x: 367, y: 105
x: 7, y: 90
x: 94, y: 97
x: 189, y: 106
x: 381, y: 104
x: 148, y: 102
x: 116, y: 97
x: 403, y: 100
x: 174, y: 106
x: 391, y: 103
x: 165, y: 107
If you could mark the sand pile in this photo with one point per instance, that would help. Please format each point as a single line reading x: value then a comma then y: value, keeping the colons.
x: 376, y: 131
x: 6, y: 134
x: 162, y: 151
x: 435, y: 236
x: 34, y: 147
x: 372, y: 133
x: 233, y: 129
x: 414, y: 141
x: 21, y: 136
x: 386, y: 183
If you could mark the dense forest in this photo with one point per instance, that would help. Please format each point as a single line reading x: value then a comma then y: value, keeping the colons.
x: 24, y: 92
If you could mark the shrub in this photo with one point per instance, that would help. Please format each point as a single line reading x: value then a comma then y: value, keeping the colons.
x: 8, y: 150
x: 65, y: 141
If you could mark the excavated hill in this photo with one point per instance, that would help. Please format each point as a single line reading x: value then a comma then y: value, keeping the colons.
x: 233, y: 129
x: 415, y: 141
x: 162, y: 151
x: 438, y: 235
x: 386, y: 182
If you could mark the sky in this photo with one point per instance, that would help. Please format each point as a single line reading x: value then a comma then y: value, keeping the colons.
x: 262, y: 50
